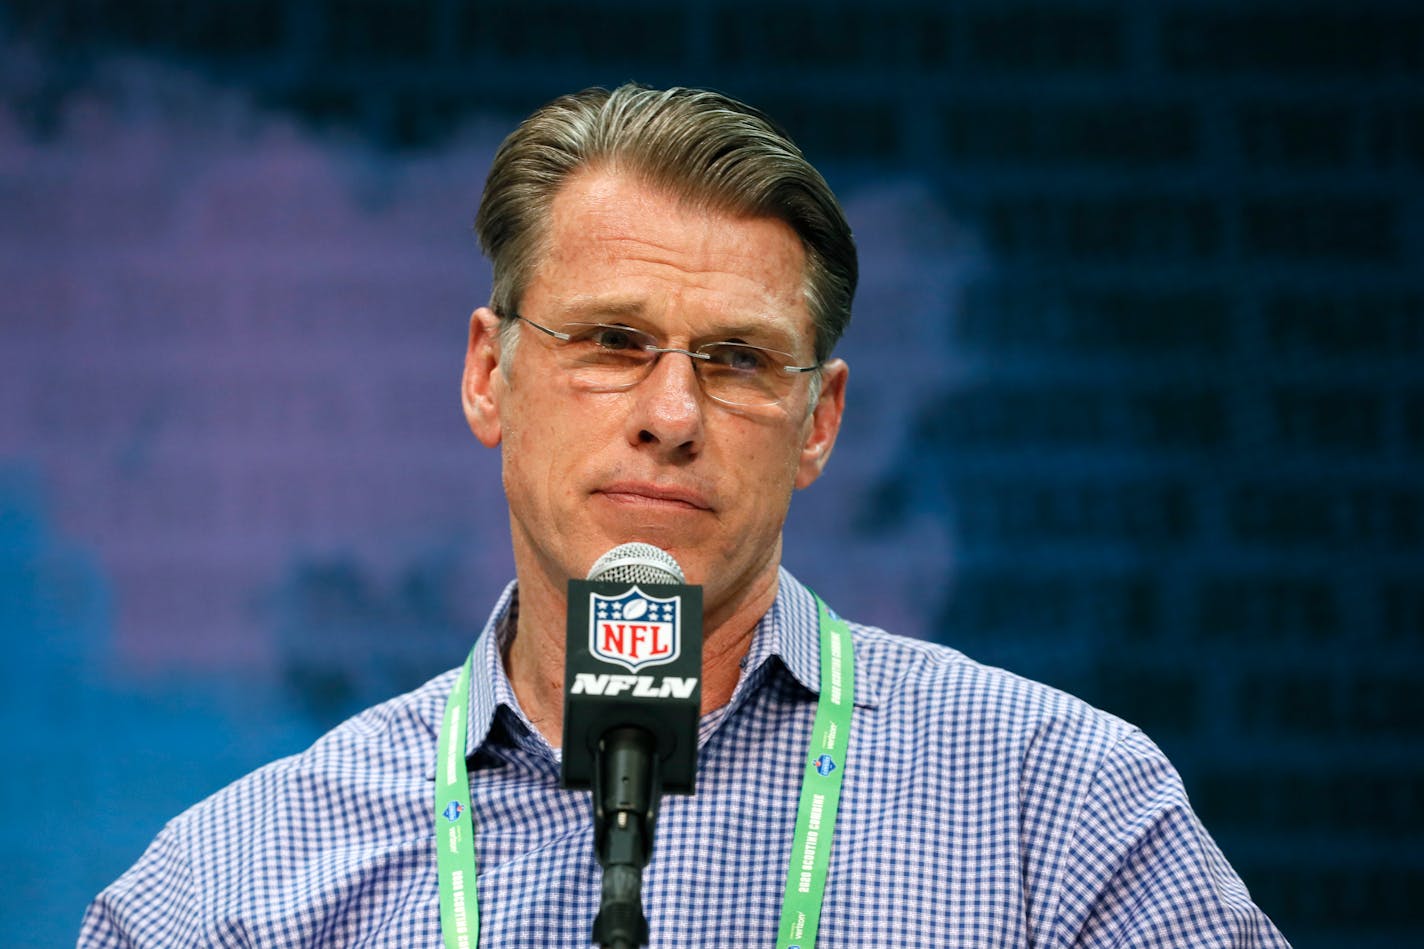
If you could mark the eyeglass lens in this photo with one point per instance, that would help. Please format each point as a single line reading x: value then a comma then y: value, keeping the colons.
x: 608, y: 358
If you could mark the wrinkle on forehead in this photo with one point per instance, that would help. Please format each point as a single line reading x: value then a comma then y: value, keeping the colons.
x: 614, y: 198
x: 694, y: 242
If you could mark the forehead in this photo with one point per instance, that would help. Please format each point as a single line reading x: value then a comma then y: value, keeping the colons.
x: 618, y: 246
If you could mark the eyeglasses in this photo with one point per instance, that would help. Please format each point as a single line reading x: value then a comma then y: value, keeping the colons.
x: 604, y: 357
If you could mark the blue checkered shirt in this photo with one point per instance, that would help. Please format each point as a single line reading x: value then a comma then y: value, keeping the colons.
x: 979, y: 809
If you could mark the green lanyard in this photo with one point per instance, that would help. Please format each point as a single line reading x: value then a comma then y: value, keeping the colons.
x: 815, y: 814
x: 820, y: 788
x: 454, y: 827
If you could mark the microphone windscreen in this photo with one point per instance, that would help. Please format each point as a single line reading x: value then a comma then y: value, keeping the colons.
x: 637, y: 563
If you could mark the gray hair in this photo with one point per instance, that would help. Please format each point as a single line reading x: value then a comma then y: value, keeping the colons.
x: 707, y: 148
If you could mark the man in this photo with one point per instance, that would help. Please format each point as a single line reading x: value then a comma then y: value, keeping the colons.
x: 670, y: 277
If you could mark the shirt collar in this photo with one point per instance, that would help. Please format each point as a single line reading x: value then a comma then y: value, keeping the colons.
x: 490, y: 687
x: 789, y: 632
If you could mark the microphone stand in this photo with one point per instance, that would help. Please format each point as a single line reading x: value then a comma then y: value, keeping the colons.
x: 626, y: 788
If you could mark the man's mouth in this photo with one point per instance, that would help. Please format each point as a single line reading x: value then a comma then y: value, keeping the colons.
x: 647, y: 493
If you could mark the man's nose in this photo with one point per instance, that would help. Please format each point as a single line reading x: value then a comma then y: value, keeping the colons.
x: 668, y: 407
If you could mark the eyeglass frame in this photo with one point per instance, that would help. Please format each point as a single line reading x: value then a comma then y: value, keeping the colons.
x: 658, y: 352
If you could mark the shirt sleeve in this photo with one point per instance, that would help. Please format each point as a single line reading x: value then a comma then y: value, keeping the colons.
x: 153, y: 904
x: 1142, y: 871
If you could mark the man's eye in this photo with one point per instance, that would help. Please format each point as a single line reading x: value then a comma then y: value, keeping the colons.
x: 613, y: 337
x: 740, y: 358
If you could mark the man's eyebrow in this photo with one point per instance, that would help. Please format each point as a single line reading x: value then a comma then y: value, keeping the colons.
x: 770, y: 332
x: 597, y: 310
x: 764, y: 332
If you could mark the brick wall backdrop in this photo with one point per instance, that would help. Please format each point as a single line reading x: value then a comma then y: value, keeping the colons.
x: 1137, y: 401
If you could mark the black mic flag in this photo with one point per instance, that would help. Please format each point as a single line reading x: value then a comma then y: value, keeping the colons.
x: 632, y: 697
x: 634, y: 657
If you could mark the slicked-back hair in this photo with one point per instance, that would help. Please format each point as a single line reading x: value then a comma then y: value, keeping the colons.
x: 708, y: 149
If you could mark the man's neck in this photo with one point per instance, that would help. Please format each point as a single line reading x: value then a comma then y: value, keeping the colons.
x: 534, y: 661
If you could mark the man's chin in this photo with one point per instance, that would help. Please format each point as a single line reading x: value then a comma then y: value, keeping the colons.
x: 673, y: 542
x: 680, y: 535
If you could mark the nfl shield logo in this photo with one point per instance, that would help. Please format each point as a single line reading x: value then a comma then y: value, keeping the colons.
x: 634, y: 630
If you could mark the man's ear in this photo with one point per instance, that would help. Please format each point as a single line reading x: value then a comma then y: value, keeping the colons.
x: 483, y: 381
x: 824, y: 424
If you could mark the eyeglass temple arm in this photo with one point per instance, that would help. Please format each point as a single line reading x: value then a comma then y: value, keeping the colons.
x: 543, y: 329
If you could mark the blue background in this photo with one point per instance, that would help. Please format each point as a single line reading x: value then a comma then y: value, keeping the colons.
x: 1136, y: 408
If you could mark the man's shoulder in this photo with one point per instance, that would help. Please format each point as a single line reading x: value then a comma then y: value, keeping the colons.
x: 1098, y: 826
x: 941, y: 688
x: 258, y: 850
x: 382, y: 749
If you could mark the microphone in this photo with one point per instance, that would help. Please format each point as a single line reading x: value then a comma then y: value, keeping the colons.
x: 632, y: 696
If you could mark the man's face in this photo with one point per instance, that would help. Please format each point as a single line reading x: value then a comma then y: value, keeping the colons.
x: 661, y: 462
